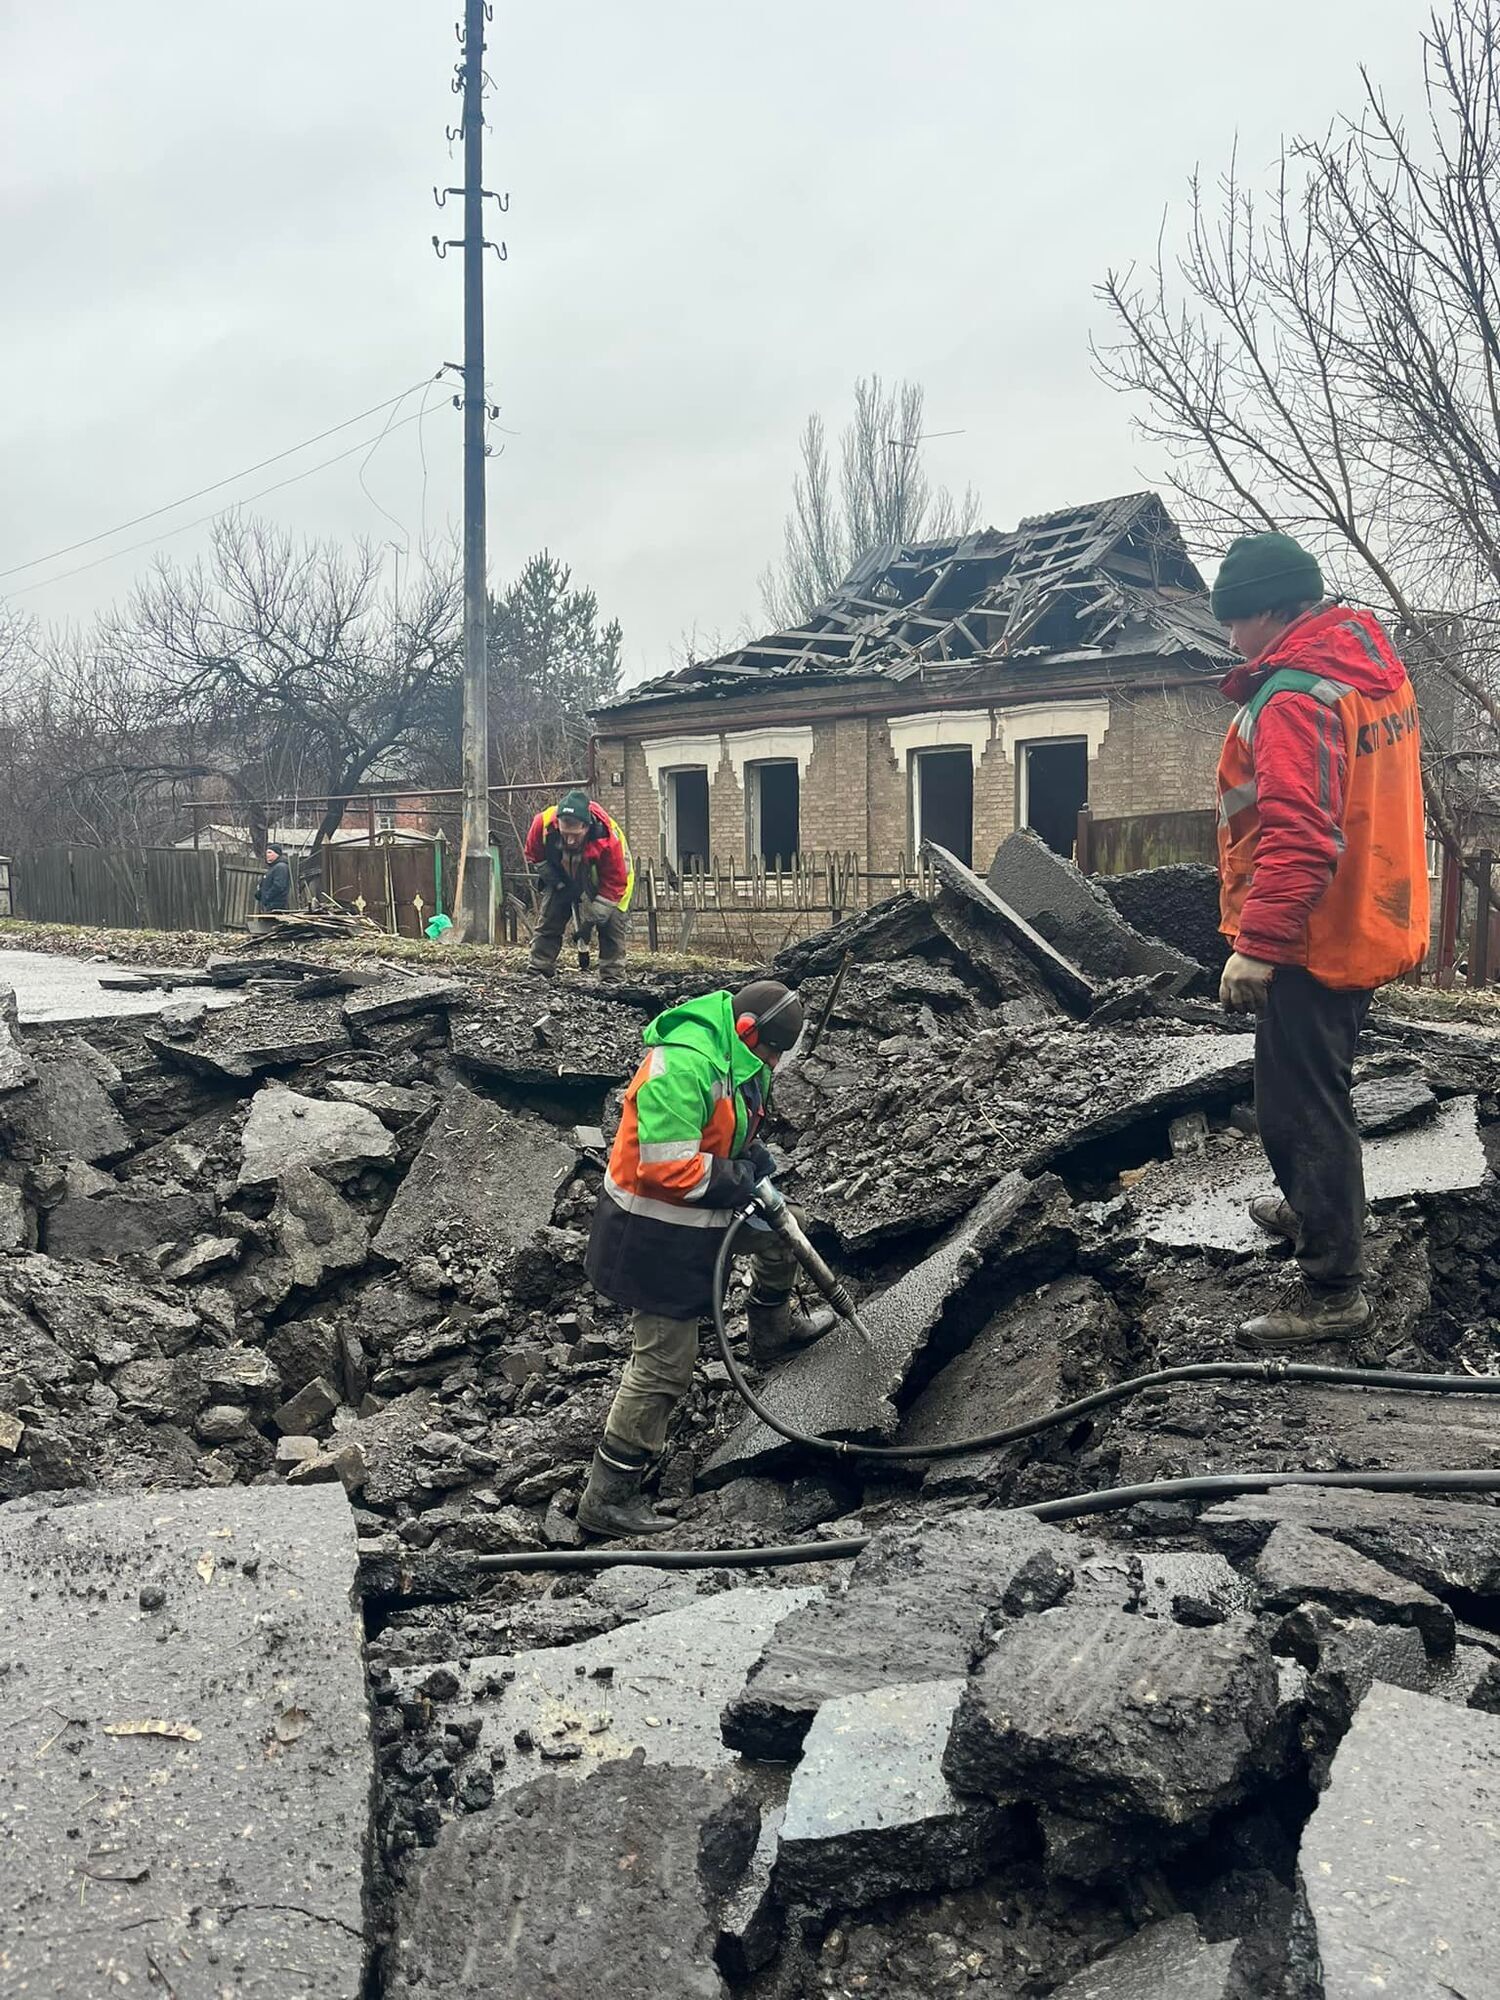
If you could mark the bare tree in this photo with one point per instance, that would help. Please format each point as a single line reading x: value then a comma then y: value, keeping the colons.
x: 289, y: 652
x: 882, y: 495
x: 1324, y: 357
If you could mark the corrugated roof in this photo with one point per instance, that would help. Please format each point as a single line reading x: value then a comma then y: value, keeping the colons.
x: 1114, y: 575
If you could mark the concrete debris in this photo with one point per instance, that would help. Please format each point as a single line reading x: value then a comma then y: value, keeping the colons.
x: 1165, y: 1961
x: 547, y: 1035
x: 912, y: 1610
x: 1441, y: 1544
x: 1078, y: 918
x: 1192, y: 1205
x: 1132, y: 1722
x: 68, y: 1113
x: 126, y: 1222
x: 844, y: 1388
x: 483, y: 1176
x: 983, y: 903
x: 869, y: 1812
x: 653, y: 1688
x: 17, y: 1071
x: 1393, y: 1101
x: 331, y: 1236
x: 187, y: 1769
x: 1044, y: 1349
x: 1298, y: 1566
x: 284, y: 1129
x: 1398, y: 1858
x: 1179, y: 904
x: 244, y: 1043
x: 559, y: 1888
x: 397, y: 998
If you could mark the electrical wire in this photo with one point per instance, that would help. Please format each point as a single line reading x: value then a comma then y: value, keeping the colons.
x: 186, y: 500
x: 245, y: 500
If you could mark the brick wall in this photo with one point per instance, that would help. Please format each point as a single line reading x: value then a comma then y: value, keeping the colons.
x: 994, y: 803
x: 726, y: 813
x: 1160, y: 752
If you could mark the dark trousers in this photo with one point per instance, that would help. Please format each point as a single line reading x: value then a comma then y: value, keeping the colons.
x: 1304, y: 1061
x: 557, y: 911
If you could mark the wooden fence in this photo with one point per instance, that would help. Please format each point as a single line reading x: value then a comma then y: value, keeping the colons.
x: 748, y: 909
x: 124, y: 888
x: 1145, y: 840
x: 399, y: 886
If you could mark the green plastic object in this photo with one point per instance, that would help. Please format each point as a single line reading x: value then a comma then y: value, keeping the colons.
x: 437, y: 925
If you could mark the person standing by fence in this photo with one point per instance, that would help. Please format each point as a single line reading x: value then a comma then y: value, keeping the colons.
x: 584, y: 872
x: 275, y: 891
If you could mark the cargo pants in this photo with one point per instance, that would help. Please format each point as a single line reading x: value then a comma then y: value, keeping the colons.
x: 659, y: 1372
x: 556, y: 914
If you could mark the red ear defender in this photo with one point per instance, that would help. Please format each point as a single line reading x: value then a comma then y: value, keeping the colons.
x: 745, y: 1026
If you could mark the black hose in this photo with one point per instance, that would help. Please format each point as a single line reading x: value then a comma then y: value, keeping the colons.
x: 1207, y: 1486
x: 1069, y: 1413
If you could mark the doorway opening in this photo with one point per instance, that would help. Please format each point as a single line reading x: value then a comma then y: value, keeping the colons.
x: 774, y: 807
x: 1054, y: 790
x: 687, y: 818
x: 943, y: 801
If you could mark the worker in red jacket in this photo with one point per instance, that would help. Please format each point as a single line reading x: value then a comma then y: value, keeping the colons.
x: 584, y: 872
x: 1323, y: 890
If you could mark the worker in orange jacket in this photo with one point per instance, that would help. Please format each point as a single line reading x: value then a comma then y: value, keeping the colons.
x: 1323, y: 890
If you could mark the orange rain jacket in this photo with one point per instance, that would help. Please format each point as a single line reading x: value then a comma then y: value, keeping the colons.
x: 1322, y: 845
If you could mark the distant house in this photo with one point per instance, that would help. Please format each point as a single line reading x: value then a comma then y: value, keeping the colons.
x: 950, y: 691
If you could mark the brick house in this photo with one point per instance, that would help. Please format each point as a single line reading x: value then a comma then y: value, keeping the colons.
x: 950, y: 691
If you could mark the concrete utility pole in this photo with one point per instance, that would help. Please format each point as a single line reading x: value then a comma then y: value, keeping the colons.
x: 476, y: 889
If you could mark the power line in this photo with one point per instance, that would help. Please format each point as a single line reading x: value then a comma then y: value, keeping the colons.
x: 187, y: 499
x: 150, y: 541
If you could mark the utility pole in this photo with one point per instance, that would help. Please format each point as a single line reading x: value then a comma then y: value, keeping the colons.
x: 476, y: 891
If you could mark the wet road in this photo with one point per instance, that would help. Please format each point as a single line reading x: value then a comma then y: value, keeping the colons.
x: 53, y: 988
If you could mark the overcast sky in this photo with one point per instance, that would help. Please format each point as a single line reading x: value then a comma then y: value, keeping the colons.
x: 216, y: 242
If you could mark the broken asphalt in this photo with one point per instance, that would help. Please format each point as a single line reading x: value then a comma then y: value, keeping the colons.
x: 294, y: 1333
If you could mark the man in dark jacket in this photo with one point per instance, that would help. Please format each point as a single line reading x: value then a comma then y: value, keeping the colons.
x: 275, y: 890
x: 1323, y: 889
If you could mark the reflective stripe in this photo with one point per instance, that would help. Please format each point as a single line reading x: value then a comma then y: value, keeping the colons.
x: 1236, y: 800
x: 667, y: 1211
x: 1330, y: 693
x: 697, y: 1193
x: 1356, y: 630
x: 662, y: 1150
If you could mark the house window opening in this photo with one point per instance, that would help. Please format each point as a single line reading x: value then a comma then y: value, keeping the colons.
x: 687, y: 818
x: 1054, y: 790
x: 774, y: 807
x: 943, y: 801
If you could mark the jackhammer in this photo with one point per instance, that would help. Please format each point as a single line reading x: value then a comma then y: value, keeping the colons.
x: 770, y: 1206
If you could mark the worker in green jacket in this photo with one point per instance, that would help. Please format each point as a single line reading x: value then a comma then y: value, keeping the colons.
x: 685, y: 1162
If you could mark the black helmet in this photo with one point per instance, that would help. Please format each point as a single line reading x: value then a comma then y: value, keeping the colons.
x: 772, y: 1010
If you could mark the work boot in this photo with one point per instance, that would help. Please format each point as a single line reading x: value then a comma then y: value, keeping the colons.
x: 541, y: 968
x: 1275, y: 1215
x: 778, y: 1331
x: 612, y: 1504
x: 1308, y: 1317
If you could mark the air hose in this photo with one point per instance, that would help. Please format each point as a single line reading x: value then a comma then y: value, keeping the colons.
x: 1207, y: 1486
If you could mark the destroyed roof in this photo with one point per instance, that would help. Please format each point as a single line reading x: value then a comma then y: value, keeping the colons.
x: 1112, y: 579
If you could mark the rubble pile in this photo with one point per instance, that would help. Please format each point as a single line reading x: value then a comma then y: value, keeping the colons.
x: 332, y: 1238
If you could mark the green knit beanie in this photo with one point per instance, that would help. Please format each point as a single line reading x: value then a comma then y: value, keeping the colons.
x: 1264, y: 573
x: 574, y: 805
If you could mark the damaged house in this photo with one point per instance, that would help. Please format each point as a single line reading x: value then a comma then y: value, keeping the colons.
x: 951, y: 691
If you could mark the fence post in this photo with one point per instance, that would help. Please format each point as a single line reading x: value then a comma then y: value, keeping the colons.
x: 652, y: 939
x: 835, y: 890
x: 1479, y: 937
x: 1082, y: 846
x: 1448, y: 916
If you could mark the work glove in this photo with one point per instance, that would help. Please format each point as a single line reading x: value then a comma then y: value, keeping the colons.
x: 599, y: 911
x: 758, y: 1157
x: 731, y: 1183
x: 1246, y: 984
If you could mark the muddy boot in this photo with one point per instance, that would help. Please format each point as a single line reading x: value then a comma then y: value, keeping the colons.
x: 1307, y: 1318
x: 612, y: 1503
x: 541, y: 968
x: 778, y: 1330
x: 1275, y: 1215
